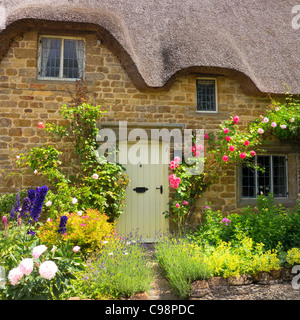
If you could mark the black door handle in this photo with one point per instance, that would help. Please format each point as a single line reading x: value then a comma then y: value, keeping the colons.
x: 140, y: 189
x: 161, y: 189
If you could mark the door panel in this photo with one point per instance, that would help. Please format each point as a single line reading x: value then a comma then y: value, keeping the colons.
x: 143, y: 212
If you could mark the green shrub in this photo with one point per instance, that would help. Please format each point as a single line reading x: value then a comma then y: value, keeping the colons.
x: 267, y: 223
x: 87, y: 230
x: 293, y: 256
x: 182, y: 263
x: 120, y: 270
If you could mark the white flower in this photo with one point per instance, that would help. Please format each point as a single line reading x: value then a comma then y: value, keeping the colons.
x: 74, y: 200
x: 292, y: 120
x: 95, y: 176
x: 48, y: 203
x: 48, y: 270
x: 79, y: 213
x: 105, y: 242
x: 35, y: 171
x: 17, y: 157
x: 110, y: 254
x: 125, y: 253
x: 283, y: 126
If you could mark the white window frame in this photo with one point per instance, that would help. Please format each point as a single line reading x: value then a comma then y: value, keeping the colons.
x: 271, y: 177
x: 216, y: 95
x: 60, y: 78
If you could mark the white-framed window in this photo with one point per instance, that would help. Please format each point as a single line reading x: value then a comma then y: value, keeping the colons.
x: 207, y: 95
x: 60, y: 58
x: 274, y: 178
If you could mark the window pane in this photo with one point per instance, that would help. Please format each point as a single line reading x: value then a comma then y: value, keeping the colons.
x: 279, y: 176
x: 73, y: 58
x: 263, y: 178
x: 206, y: 99
x: 248, y: 182
x: 50, y: 57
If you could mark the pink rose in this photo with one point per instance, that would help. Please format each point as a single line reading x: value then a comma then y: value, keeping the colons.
x: 274, y: 124
x: 227, y: 138
x: 236, y: 119
x: 283, y: 126
x: 48, y: 270
x: 225, y: 130
x: 177, y: 159
x: 246, y: 143
x: 265, y: 120
x: 177, y: 205
x: 15, y: 275
x: 41, y: 125
x: 292, y: 120
x: 253, y: 153
x: 185, y: 203
x: 206, y: 136
x: 260, y: 130
x: 26, y: 266
x: 171, y: 176
x: 172, y: 165
x: 242, y: 155
x: 231, y: 148
x: 197, y: 153
x: 199, y: 147
x: 225, y: 158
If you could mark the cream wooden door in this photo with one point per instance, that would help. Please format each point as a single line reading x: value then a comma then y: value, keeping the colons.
x: 143, y: 212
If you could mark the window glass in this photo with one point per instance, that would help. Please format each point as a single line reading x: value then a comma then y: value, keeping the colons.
x: 206, y: 95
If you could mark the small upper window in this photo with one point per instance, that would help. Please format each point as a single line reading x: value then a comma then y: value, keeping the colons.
x: 206, y: 95
x: 272, y: 180
x: 61, y: 58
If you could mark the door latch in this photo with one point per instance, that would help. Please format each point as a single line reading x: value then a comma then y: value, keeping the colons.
x: 160, y: 188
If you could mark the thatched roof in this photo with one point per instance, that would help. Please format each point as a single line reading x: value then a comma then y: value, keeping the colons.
x: 252, y: 40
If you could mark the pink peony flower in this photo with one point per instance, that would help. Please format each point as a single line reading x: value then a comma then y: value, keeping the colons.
x: 37, y: 251
x: 231, y: 148
x: 246, y: 143
x: 260, y: 130
x: 225, y: 130
x: 26, y: 266
x: 274, y: 124
x: 41, y: 125
x: 253, y: 153
x: 199, y: 147
x: 236, y: 119
x: 48, y: 270
x: 76, y: 248
x: 177, y: 205
x: 227, y: 138
x: 15, y: 275
x: 242, y: 155
x: 225, y: 158
x: 185, y: 203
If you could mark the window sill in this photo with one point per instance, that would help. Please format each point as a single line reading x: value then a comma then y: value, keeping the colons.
x: 206, y: 112
x: 58, y: 79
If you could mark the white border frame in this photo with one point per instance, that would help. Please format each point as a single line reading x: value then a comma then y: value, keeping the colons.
x: 39, y: 77
x: 216, y: 95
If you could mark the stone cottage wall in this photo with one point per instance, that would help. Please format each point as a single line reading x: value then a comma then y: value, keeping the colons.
x: 24, y: 101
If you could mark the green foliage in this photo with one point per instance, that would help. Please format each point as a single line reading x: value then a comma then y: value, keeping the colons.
x: 87, y: 230
x: 243, y: 256
x: 94, y: 183
x: 267, y: 223
x: 182, y: 263
x: 120, y: 270
x: 281, y: 119
x: 293, y: 256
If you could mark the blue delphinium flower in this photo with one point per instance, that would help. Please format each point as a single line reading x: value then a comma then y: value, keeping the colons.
x: 37, y: 207
x: 31, y: 232
x: 12, y: 213
x: 25, y: 207
x: 62, y: 225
